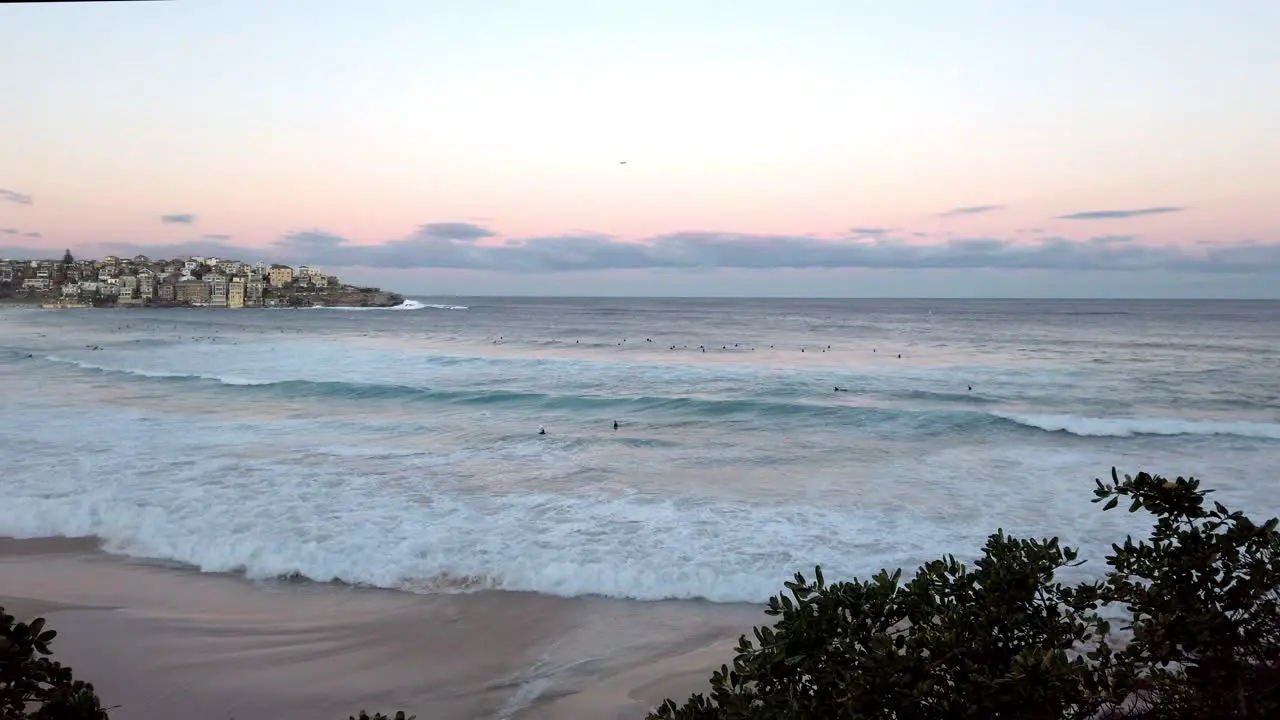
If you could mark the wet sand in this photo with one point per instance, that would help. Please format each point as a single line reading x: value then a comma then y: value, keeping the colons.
x: 164, y: 642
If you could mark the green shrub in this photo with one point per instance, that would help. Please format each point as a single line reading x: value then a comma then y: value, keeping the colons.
x: 989, y: 642
x: 1005, y: 640
x: 35, y: 687
x: 1203, y: 593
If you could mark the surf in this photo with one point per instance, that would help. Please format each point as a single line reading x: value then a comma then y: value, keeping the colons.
x: 406, y: 305
x: 818, y: 407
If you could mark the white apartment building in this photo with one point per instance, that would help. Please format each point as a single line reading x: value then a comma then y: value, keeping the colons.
x: 217, y: 289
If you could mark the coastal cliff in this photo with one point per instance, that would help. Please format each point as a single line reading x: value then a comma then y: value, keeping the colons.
x: 347, y: 297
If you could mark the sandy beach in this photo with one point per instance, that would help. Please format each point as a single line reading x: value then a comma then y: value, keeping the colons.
x: 164, y: 642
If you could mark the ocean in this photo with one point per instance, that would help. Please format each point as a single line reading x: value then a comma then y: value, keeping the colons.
x: 400, y: 448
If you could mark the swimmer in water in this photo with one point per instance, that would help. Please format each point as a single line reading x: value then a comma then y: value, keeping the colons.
x: 615, y: 424
x: 542, y: 431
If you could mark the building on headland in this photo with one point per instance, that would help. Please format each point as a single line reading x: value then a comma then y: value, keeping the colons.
x: 140, y: 281
x: 217, y: 288
x: 279, y: 275
x: 193, y: 292
x: 254, y: 289
x: 167, y: 288
x: 235, y: 293
x: 146, y: 284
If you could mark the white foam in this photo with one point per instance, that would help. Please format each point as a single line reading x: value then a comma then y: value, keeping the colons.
x: 480, y: 510
x: 253, y: 498
x: 163, y: 493
x: 541, y: 544
x: 1130, y: 427
x: 406, y: 305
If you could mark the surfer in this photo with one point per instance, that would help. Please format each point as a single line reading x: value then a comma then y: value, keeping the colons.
x: 615, y: 424
x: 542, y: 430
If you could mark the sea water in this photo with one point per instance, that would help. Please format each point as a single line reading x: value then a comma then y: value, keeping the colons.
x: 400, y: 448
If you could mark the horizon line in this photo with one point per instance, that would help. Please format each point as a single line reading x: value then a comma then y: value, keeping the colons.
x: 844, y: 297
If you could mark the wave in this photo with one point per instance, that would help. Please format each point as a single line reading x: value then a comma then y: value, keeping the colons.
x: 326, y: 524
x: 1130, y: 427
x: 336, y: 389
x: 845, y: 412
x: 628, y: 548
x: 406, y: 305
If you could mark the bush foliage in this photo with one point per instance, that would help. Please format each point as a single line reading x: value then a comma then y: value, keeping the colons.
x: 1005, y: 640
x: 32, y: 685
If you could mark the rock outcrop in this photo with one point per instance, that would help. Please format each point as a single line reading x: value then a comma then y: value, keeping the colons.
x: 353, y: 297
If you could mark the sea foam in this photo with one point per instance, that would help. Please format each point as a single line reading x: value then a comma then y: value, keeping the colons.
x: 406, y: 305
x: 400, y: 449
x: 361, y: 531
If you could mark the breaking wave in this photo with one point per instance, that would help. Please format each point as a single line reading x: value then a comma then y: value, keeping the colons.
x: 675, y: 407
x: 406, y: 305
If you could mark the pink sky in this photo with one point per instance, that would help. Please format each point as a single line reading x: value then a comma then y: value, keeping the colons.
x: 368, y: 122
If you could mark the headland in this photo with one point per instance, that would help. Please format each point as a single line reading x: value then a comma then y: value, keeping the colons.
x: 187, y: 281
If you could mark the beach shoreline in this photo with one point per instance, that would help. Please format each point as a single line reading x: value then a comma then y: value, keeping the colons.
x: 160, y: 641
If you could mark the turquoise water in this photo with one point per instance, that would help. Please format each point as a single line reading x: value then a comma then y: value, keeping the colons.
x: 400, y: 447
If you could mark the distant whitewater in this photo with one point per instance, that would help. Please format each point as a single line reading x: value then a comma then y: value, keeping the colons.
x: 400, y: 449
x: 406, y: 305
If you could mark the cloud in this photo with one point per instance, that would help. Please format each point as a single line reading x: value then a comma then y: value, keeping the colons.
x: 14, y: 252
x: 178, y: 219
x: 215, y: 237
x: 466, y: 232
x: 311, y: 240
x: 32, y: 234
x: 869, y: 230
x: 14, y: 196
x: 970, y: 210
x: 459, y: 246
x: 448, y: 246
x: 1119, y: 214
x: 10, y: 231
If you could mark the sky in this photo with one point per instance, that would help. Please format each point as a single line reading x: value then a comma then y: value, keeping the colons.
x: 930, y: 148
